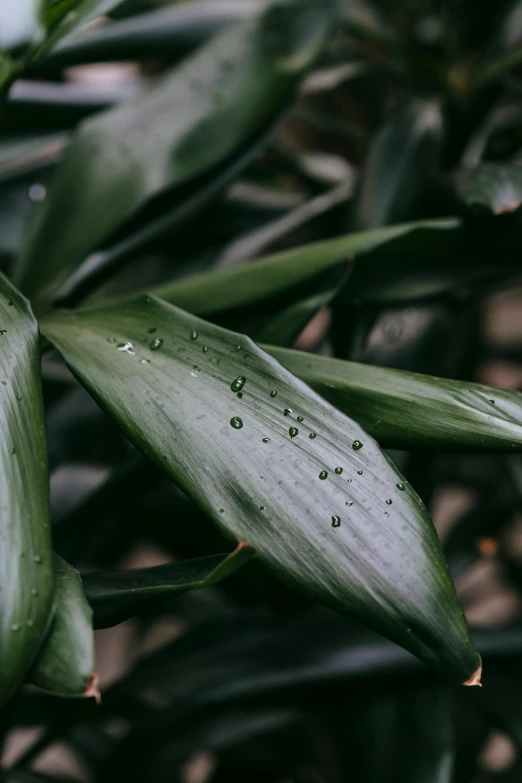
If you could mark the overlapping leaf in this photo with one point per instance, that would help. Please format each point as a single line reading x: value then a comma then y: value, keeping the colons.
x: 26, y: 571
x: 273, y: 465
x: 171, y: 135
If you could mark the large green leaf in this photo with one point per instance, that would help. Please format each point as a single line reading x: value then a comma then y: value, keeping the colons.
x: 273, y: 465
x: 198, y: 116
x: 405, y: 409
x: 26, y: 572
x: 65, y: 664
x: 403, y: 156
x: 117, y: 595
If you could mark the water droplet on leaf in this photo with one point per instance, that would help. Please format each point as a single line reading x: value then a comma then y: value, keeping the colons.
x: 156, y: 344
x: 193, y: 334
x: 287, y: 411
x: 323, y: 475
x: 293, y: 431
x: 400, y: 486
x: 312, y: 435
x: 338, y: 471
x: 336, y: 522
x: 236, y: 422
x: 266, y: 440
x: 356, y: 445
x: 300, y: 419
x: 238, y: 384
x: 127, y: 348
x: 389, y: 502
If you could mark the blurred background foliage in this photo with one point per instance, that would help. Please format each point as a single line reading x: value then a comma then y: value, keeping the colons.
x: 412, y: 113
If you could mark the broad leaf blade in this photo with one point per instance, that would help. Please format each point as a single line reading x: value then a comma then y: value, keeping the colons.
x: 26, y: 573
x: 65, y: 664
x: 172, y: 382
x: 405, y: 409
x: 198, y: 116
x: 117, y: 595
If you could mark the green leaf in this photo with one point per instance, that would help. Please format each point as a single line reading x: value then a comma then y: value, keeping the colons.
x: 491, y: 189
x: 168, y: 32
x: 219, y: 291
x: 62, y: 17
x: 117, y: 595
x: 391, y: 264
x: 26, y: 573
x: 404, y: 738
x: 169, y: 136
x: 65, y: 664
x: 405, y: 409
x: 172, y: 383
x: 404, y: 155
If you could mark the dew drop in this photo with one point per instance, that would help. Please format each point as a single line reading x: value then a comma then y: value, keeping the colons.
x: 238, y: 347
x: 3, y: 331
x: 323, y: 475
x: 266, y: 440
x: 238, y: 384
x: 15, y: 627
x: 349, y: 503
x: 359, y: 472
x: 349, y: 481
x: 293, y: 431
x: 287, y: 411
x: 236, y: 422
x: 36, y: 192
x: 30, y: 623
x: 401, y: 486
x: 389, y: 502
x: 336, y: 522
x: 193, y: 334
x: 356, y: 445
x: 12, y: 451
x: 4, y: 383
x: 156, y: 344
x: 273, y: 393
x: 312, y: 435
x: 492, y: 402
x: 386, y: 513
x: 127, y: 348
x: 262, y: 508
x: 300, y: 419
x: 240, y: 395
x: 338, y: 471
x: 18, y: 397
x: 144, y: 361
x: 37, y: 559
x: 205, y: 349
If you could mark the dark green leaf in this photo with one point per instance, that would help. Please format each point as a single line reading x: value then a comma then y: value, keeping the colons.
x: 62, y: 17
x: 391, y: 264
x: 26, y: 573
x: 168, y: 32
x: 250, y: 463
x: 404, y: 738
x: 404, y: 409
x: 403, y: 157
x: 490, y: 189
x: 65, y: 663
x: 169, y: 136
x: 117, y: 595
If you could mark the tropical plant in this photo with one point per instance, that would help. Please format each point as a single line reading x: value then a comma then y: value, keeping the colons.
x: 243, y: 339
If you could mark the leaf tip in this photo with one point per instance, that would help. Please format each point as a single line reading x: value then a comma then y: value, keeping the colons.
x: 92, y: 690
x: 475, y: 678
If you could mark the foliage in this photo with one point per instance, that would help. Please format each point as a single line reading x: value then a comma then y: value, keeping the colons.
x: 242, y: 306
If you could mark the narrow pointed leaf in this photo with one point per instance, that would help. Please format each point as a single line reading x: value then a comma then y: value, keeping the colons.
x: 168, y: 32
x: 391, y: 264
x: 117, y: 595
x: 65, y: 664
x: 170, y: 135
x: 492, y: 189
x: 26, y: 574
x: 263, y: 466
x: 405, y: 409
x: 403, y: 156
